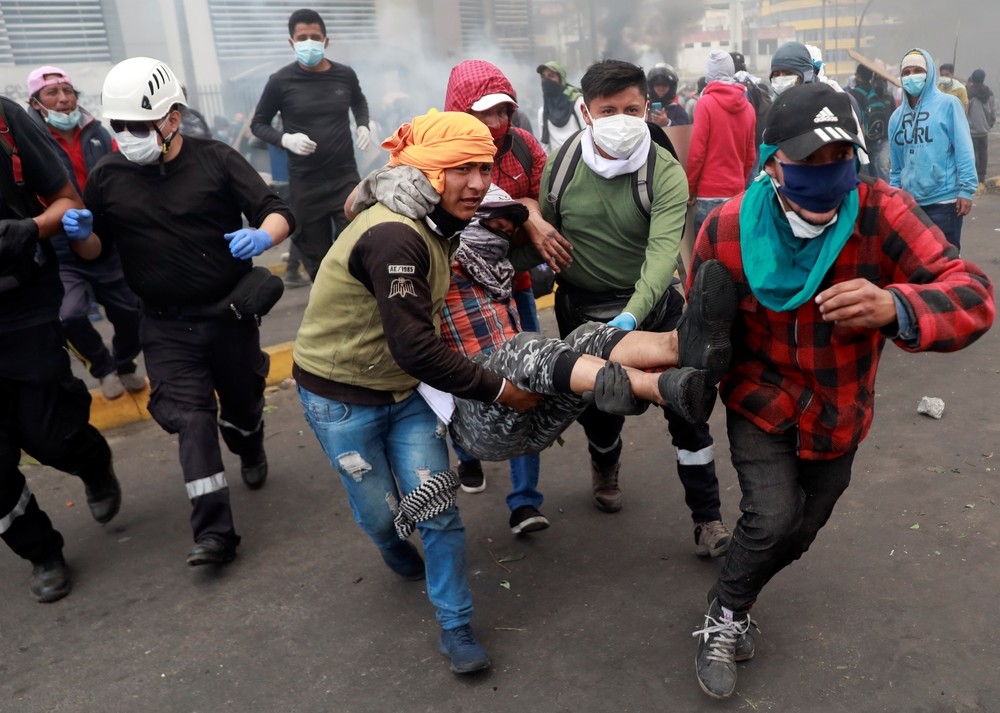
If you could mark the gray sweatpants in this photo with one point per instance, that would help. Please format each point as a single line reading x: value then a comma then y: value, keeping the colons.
x: 495, y: 432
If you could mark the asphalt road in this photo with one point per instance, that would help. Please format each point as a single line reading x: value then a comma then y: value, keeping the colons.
x: 892, y: 609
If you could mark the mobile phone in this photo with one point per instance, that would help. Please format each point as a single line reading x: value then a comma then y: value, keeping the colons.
x: 656, y: 106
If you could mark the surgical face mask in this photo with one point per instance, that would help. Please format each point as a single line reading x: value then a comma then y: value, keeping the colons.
x: 309, y: 52
x: 619, y: 135
x: 143, y: 150
x: 819, y: 188
x: 782, y: 84
x: 945, y: 82
x: 63, y: 122
x: 802, y: 228
x: 913, y: 84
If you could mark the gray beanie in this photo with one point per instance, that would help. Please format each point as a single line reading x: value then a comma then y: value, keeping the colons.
x: 719, y: 66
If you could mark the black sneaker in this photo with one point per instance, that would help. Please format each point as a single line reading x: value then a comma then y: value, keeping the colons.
x: 104, y: 496
x: 688, y: 393
x: 746, y: 643
x: 253, y: 469
x: 470, y: 474
x: 403, y: 559
x: 467, y: 655
x: 294, y: 278
x: 703, y: 329
x: 715, y: 663
x: 212, y: 549
x: 50, y: 579
x: 527, y: 519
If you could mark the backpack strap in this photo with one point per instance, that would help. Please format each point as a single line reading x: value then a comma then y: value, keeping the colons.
x: 642, y: 183
x: 522, y: 152
x: 9, y: 147
x: 561, y: 172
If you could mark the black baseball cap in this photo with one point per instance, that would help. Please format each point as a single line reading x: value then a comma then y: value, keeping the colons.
x: 809, y: 116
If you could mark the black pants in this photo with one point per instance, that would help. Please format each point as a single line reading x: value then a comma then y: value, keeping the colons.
x: 188, y: 362
x: 318, y: 205
x: 980, y: 146
x: 694, y: 446
x: 44, y: 410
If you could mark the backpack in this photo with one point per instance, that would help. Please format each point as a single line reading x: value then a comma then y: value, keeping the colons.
x: 562, y: 171
x: 875, y: 112
x: 761, y: 102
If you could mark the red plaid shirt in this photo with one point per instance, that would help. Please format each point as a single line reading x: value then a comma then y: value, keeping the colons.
x: 792, y: 369
x: 473, y: 323
x: 469, y: 82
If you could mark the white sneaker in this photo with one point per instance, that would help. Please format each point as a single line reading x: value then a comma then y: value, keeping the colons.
x: 112, y: 386
x: 133, y: 382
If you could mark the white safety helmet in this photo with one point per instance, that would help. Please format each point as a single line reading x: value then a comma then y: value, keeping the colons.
x: 140, y: 89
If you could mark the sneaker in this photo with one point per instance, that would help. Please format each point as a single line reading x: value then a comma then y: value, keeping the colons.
x: 470, y: 474
x: 527, y: 519
x: 604, y: 488
x: 688, y: 393
x: 50, y: 579
x: 112, y: 386
x: 212, y: 549
x: 104, y: 496
x: 703, y: 329
x: 711, y: 539
x: 294, y: 278
x: 403, y: 559
x: 746, y: 643
x: 466, y: 654
x: 253, y: 469
x: 715, y: 663
x: 133, y: 382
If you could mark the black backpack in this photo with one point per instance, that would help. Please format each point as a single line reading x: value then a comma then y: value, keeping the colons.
x: 876, y: 109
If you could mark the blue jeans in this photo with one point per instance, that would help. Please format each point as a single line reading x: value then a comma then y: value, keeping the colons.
x: 786, y: 501
x: 702, y: 207
x: 943, y: 215
x: 382, y: 454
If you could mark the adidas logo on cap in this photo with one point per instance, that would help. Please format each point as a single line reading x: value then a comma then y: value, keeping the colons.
x: 825, y: 116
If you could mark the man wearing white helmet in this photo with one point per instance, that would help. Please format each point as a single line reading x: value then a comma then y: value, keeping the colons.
x: 174, y: 206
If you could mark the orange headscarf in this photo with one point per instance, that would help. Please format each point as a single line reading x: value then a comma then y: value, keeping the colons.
x: 434, y: 142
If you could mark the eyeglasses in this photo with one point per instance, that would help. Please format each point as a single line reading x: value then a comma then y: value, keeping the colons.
x: 138, y: 129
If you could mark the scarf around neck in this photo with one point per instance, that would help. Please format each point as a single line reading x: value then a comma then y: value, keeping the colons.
x: 784, y: 271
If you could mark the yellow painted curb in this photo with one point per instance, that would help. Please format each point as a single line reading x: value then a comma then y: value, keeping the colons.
x: 131, y: 407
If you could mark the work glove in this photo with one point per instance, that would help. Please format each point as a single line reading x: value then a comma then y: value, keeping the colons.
x: 78, y: 224
x: 364, y: 138
x: 17, y: 239
x: 613, y: 392
x: 401, y: 189
x: 246, y: 243
x: 625, y: 321
x: 298, y: 144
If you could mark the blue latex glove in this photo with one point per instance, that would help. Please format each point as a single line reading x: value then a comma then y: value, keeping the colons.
x: 78, y: 224
x: 246, y: 243
x: 625, y: 321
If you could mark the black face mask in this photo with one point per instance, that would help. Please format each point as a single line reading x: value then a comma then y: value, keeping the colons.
x: 448, y: 224
x: 551, y: 88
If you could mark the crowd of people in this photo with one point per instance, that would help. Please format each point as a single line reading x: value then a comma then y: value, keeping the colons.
x: 826, y: 220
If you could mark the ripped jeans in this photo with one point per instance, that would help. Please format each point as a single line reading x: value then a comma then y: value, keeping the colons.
x: 382, y: 453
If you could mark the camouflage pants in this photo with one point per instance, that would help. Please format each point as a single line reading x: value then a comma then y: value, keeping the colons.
x: 495, y: 432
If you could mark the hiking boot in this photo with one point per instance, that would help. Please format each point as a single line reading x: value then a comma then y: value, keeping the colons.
x: 104, y: 496
x: 688, y: 393
x: 253, y: 469
x: 466, y: 654
x: 294, y: 278
x: 604, y: 486
x: 112, y: 386
x: 212, y: 549
x: 703, y: 329
x: 715, y: 662
x: 526, y: 519
x: 403, y: 559
x: 746, y: 643
x: 50, y: 579
x: 711, y: 539
x: 470, y: 474
x: 133, y: 382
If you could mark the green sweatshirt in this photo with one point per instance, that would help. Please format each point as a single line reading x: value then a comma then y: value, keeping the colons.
x: 614, y: 246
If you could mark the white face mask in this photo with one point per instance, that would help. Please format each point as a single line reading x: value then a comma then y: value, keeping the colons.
x: 144, y: 151
x: 782, y: 84
x: 619, y: 135
x: 802, y: 228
